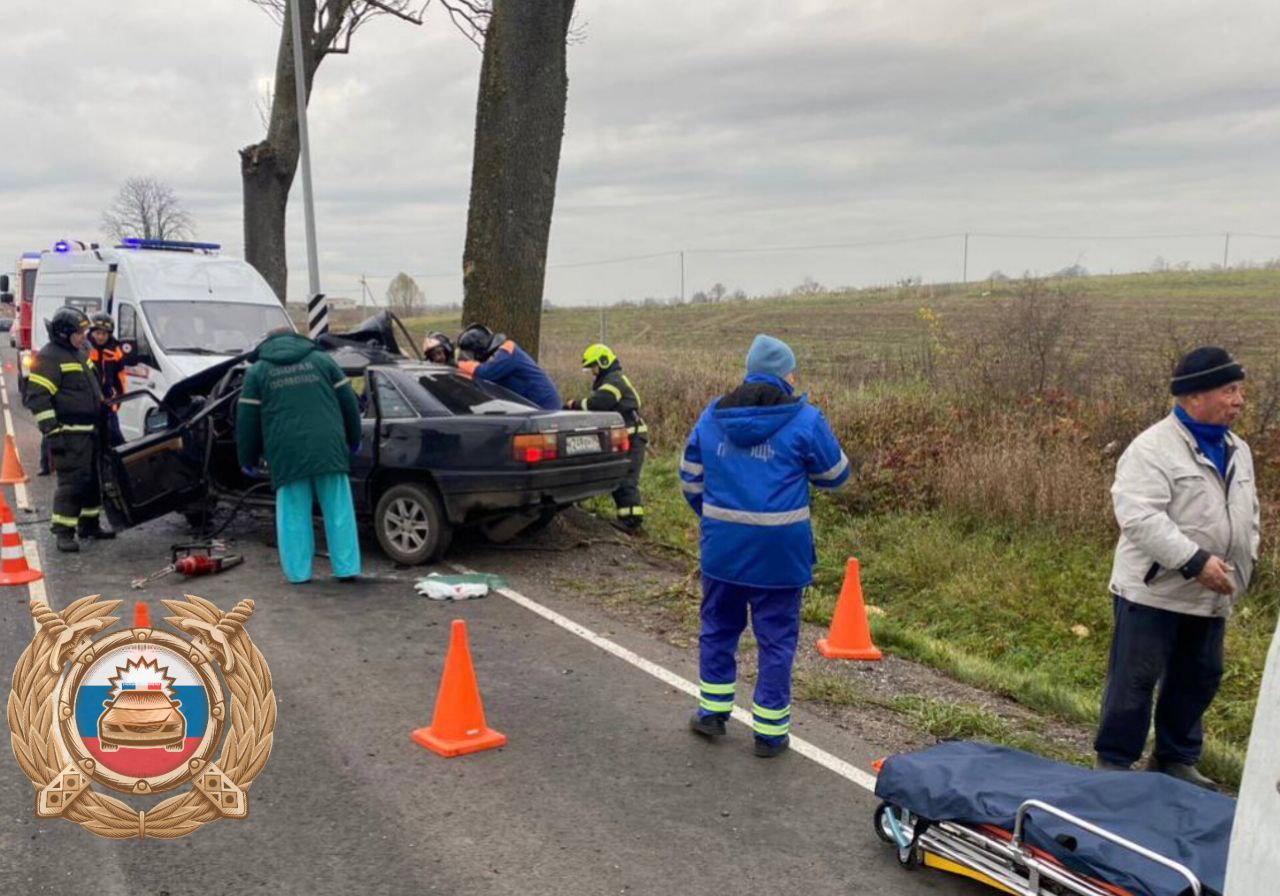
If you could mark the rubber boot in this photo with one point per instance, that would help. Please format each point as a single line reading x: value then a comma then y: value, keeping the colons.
x: 67, y: 542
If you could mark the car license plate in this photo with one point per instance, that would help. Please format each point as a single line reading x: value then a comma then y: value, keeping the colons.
x: 581, y: 445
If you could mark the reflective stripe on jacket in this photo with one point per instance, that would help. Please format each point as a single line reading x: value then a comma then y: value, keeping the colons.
x: 1171, y: 502
x: 612, y: 391
x: 746, y: 472
x: 63, y: 390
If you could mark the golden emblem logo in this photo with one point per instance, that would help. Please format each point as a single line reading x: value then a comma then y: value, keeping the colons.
x: 141, y: 711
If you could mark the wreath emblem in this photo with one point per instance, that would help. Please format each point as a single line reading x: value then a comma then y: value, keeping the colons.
x: 141, y: 711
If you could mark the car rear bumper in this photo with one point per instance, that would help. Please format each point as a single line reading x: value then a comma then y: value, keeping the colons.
x: 468, y: 494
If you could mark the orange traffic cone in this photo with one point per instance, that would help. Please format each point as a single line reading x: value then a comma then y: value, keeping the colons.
x: 458, y: 725
x: 13, y: 560
x: 11, y: 472
x: 141, y: 615
x: 850, y: 635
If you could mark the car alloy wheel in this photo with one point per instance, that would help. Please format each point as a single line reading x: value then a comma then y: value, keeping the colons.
x: 410, y: 524
x: 407, y: 525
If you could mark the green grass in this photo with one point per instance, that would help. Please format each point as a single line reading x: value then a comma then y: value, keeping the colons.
x: 1020, y: 612
x: 982, y: 520
x: 943, y: 719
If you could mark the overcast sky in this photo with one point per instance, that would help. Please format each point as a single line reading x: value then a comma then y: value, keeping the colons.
x: 693, y: 125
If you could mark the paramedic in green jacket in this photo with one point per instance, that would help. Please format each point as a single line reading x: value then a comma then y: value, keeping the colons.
x: 299, y: 411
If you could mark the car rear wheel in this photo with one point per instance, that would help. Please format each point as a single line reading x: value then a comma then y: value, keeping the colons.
x: 410, y: 524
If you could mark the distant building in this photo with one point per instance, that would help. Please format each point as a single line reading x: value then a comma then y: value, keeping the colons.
x: 336, y: 303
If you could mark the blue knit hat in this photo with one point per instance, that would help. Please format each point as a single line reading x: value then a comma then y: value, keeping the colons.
x: 769, y: 355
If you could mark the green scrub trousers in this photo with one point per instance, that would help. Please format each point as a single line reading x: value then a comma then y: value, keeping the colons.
x: 294, y: 536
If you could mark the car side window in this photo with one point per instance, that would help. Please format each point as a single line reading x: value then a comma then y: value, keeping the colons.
x: 127, y: 329
x: 391, y: 404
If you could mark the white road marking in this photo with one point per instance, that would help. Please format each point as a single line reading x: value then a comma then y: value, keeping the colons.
x: 35, y: 590
x: 846, y: 770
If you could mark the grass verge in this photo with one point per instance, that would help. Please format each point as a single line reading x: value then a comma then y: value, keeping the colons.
x: 1022, y: 612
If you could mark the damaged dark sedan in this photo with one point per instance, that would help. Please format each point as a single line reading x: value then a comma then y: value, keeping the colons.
x: 441, y: 450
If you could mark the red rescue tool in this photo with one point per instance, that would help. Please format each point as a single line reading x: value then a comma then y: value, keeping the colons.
x: 194, y: 560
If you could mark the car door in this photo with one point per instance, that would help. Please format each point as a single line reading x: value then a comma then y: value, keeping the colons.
x: 397, y: 441
x: 157, y: 474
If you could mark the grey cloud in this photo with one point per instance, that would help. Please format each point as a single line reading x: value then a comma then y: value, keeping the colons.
x: 714, y: 123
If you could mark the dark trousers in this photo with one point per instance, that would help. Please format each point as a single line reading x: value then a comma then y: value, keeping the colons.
x: 1180, y: 653
x: 77, y: 497
x: 627, y: 496
x: 775, y: 620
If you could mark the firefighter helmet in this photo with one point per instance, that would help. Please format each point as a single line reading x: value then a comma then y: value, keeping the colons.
x: 438, y: 348
x: 102, y: 321
x: 600, y: 355
x: 66, y: 321
x: 478, y: 342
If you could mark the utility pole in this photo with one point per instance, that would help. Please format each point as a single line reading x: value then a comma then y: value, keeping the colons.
x: 317, y: 310
x: 681, y: 276
x: 964, y: 275
x: 604, y: 324
x: 1226, y: 250
x: 364, y: 291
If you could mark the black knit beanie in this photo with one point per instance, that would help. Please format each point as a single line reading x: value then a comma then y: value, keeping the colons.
x: 1204, y: 368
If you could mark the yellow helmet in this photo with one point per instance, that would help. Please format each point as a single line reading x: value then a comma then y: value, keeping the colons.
x: 599, y: 354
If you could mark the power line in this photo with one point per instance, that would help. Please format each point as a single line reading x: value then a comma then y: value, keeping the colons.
x: 1099, y: 237
x: 863, y: 244
x: 858, y: 245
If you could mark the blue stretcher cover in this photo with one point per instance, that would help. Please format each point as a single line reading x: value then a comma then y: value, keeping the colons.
x: 977, y: 783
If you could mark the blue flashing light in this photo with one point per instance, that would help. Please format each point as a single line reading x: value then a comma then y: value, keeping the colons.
x: 171, y: 245
x: 28, y: 255
x: 61, y: 246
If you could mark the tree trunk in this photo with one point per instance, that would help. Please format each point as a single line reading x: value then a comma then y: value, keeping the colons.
x: 266, y: 197
x: 267, y: 168
x: 519, y: 126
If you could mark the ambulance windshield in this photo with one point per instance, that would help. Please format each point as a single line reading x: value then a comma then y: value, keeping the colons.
x: 211, y: 328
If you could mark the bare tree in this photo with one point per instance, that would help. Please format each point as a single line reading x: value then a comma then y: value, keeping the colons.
x: 520, y: 113
x: 267, y: 168
x: 404, y: 297
x: 1039, y: 342
x: 146, y: 208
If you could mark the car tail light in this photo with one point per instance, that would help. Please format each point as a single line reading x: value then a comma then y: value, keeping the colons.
x: 619, y: 441
x: 533, y: 449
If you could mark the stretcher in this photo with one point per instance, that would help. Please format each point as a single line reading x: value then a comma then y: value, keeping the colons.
x: 1028, y: 826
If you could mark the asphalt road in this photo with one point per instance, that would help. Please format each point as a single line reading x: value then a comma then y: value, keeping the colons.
x: 601, y: 788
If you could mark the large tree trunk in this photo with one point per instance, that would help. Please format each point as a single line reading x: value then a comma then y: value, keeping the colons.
x: 519, y: 125
x: 267, y: 168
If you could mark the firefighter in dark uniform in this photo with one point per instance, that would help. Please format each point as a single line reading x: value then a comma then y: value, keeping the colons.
x: 64, y: 394
x: 108, y: 358
x: 612, y: 391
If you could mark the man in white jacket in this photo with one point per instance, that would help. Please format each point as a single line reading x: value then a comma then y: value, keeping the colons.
x: 1187, y: 505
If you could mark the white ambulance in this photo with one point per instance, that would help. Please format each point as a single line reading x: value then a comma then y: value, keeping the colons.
x: 179, y: 308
